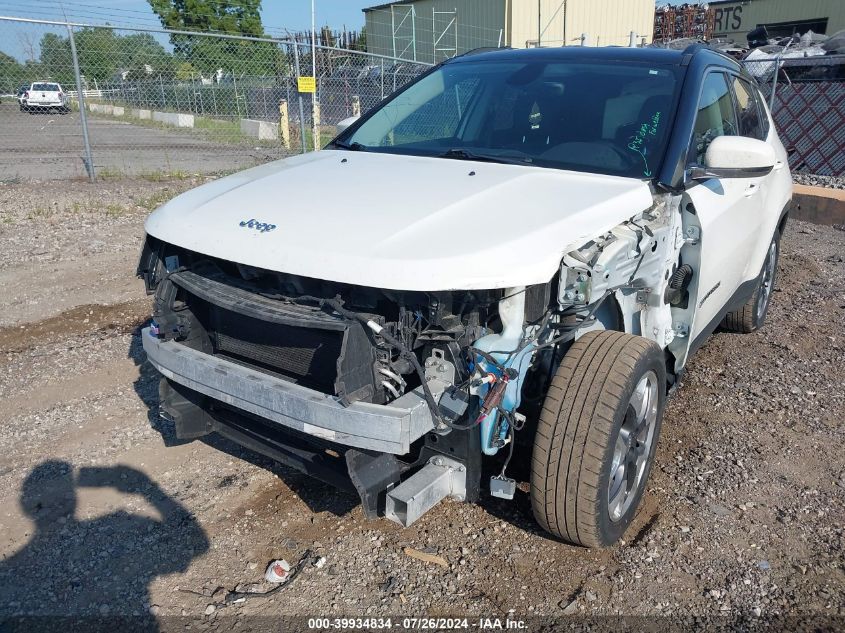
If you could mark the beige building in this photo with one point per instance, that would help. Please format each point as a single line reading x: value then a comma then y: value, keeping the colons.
x: 735, y: 18
x: 433, y: 30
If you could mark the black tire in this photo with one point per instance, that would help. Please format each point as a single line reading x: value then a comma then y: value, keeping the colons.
x: 752, y: 315
x: 580, y: 432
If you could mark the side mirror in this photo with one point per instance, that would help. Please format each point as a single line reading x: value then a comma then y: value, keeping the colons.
x: 735, y: 157
x: 343, y: 125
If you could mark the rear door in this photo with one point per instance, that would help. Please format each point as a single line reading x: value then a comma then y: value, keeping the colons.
x: 728, y: 209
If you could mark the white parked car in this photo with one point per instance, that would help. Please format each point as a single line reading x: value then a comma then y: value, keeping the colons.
x: 501, y: 271
x: 44, y: 96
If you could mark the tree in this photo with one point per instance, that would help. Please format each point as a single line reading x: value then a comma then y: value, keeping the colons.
x: 141, y: 55
x: 56, y: 58
x: 12, y: 74
x: 28, y: 43
x: 208, y: 54
x: 105, y: 56
x: 236, y: 17
x: 185, y: 71
x: 361, y: 41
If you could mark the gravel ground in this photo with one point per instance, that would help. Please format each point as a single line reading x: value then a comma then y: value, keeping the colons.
x: 831, y: 182
x: 105, y: 513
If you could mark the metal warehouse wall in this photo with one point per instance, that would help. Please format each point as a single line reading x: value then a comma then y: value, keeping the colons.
x: 483, y: 22
x: 606, y: 22
x: 479, y: 23
x: 735, y: 19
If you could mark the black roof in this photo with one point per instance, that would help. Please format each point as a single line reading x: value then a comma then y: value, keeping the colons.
x: 646, y: 55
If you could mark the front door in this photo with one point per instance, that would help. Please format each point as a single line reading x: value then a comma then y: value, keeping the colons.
x: 728, y: 209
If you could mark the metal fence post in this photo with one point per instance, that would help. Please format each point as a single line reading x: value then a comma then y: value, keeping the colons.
x: 87, y: 159
x: 774, y: 86
x: 299, y: 96
x: 214, y: 95
x: 235, y: 88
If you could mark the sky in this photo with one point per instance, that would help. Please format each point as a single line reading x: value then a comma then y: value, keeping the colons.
x: 291, y: 14
x: 276, y: 15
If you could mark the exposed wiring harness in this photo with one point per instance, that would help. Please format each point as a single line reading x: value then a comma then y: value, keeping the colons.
x: 499, y: 383
x: 405, y: 352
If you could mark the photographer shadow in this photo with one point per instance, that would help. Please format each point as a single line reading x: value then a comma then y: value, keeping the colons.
x: 96, y: 568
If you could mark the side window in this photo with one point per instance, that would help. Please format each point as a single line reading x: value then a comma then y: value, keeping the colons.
x: 748, y: 111
x: 716, y: 116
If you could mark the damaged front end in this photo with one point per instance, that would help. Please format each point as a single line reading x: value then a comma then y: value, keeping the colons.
x: 397, y: 395
x: 359, y: 387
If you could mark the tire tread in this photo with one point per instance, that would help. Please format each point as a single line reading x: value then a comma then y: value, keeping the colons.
x: 574, y: 430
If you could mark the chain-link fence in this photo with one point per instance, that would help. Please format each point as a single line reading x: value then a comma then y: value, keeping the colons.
x: 161, y: 101
x: 807, y: 99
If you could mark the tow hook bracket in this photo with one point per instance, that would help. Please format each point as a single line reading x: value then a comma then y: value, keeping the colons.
x: 372, y: 474
x: 441, y: 477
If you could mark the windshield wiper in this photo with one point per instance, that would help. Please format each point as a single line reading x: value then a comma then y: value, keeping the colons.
x: 508, y: 158
x: 352, y: 147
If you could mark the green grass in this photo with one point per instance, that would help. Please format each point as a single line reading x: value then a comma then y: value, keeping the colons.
x: 164, y: 176
x: 223, y: 131
x: 216, y: 130
x: 115, y: 210
x: 39, y: 212
x: 109, y: 173
x: 154, y: 201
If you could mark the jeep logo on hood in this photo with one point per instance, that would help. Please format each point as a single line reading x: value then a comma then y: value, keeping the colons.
x: 261, y: 227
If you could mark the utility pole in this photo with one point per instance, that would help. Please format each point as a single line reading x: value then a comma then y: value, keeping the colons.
x: 539, y: 22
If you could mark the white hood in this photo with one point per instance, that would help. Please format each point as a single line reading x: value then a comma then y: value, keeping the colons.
x: 400, y: 222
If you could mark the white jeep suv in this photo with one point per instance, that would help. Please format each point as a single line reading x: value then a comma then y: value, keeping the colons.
x: 500, y: 272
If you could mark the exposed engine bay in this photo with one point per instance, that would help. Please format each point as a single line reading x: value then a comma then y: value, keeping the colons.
x: 474, y: 356
x: 360, y: 343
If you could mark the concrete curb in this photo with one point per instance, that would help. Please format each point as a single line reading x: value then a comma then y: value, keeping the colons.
x: 262, y: 130
x: 819, y: 205
x: 171, y: 118
x: 175, y: 119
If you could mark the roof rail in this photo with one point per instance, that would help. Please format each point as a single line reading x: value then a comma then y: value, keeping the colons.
x: 484, y: 49
x: 692, y: 49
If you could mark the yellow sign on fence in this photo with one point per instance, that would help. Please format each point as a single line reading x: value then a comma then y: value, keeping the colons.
x: 307, y: 84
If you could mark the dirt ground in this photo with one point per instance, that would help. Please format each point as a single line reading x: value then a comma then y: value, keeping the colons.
x: 104, y: 513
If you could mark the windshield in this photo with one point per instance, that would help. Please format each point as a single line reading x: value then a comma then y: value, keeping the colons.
x: 592, y: 117
x: 46, y: 87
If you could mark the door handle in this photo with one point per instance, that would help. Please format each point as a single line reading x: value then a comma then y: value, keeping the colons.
x: 751, y: 189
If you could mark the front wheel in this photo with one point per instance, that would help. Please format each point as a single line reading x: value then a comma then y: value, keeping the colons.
x: 597, y: 436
